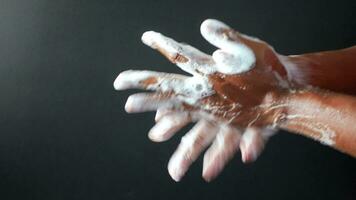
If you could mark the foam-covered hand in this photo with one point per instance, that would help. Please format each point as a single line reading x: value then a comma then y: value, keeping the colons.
x: 231, y: 96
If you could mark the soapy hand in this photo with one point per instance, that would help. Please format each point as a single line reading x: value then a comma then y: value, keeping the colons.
x: 231, y: 95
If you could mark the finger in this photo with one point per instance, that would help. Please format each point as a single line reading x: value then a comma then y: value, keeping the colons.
x: 143, y: 102
x: 185, y: 56
x: 228, y: 63
x: 221, y: 30
x: 190, y: 88
x: 192, y: 144
x: 252, y: 144
x: 223, y: 37
x: 220, y: 152
x: 161, y: 112
x: 220, y: 35
x: 136, y: 79
x: 168, y: 125
x: 194, y: 114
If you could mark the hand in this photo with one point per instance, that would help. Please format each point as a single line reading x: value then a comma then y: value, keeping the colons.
x: 233, y: 91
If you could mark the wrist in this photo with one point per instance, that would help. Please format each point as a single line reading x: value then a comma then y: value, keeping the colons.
x: 274, y: 108
x: 294, y: 104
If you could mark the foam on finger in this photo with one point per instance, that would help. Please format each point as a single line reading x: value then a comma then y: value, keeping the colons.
x: 144, y: 79
x: 187, y: 89
x: 223, y: 37
x: 228, y: 63
x: 184, y: 56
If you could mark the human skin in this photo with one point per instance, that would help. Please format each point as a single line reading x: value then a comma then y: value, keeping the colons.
x: 331, y: 70
x: 239, y: 99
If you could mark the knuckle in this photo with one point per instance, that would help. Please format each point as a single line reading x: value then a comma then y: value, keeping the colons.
x: 178, y: 58
x: 199, y: 141
x: 149, y: 81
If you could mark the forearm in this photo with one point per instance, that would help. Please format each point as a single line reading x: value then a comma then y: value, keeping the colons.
x: 324, y: 116
x: 332, y: 70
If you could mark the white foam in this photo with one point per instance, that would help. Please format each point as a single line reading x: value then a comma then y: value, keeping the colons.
x: 189, y: 89
x: 211, y: 31
x: 196, y: 60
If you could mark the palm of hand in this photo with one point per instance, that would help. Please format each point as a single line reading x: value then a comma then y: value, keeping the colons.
x: 225, y: 96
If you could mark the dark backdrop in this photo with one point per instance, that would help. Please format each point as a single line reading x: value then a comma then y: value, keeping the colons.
x: 64, y: 133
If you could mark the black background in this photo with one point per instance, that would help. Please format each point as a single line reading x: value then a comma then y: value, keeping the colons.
x: 64, y: 133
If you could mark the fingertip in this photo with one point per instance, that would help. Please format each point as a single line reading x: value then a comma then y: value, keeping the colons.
x: 119, y: 82
x: 129, y: 105
x: 243, y: 150
x: 227, y: 63
x: 152, y: 134
x: 137, y: 103
x: 154, y: 137
x: 159, y: 133
x: 207, y: 178
x: 205, y: 29
x: 173, y: 170
x: 212, y: 168
x: 251, y: 145
x: 218, y: 55
x: 205, y: 26
x: 148, y: 37
x: 211, y: 25
x: 222, y: 57
x: 206, y: 174
x: 116, y: 83
x: 248, y: 155
x: 224, y: 37
x: 176, y: 179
